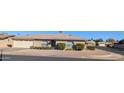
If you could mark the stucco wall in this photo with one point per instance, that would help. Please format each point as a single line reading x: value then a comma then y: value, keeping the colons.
x: 39, y: 43
x: 73, y: 42
x: 5, y: 42
x: 36, y: 43
x: 22, y: 44
x: 60, y: 42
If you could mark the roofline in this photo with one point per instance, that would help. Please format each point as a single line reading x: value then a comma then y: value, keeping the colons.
x: 48, y: 39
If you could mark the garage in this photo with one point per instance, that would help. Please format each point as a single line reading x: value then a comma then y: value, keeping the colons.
x: 22, y: 44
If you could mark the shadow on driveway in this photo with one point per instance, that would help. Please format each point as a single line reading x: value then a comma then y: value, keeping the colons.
x: 113, y: 50
x: 45, y: 58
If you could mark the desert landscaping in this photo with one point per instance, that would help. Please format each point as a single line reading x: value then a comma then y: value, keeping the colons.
x: 62, y: 55
x: 60, y: 46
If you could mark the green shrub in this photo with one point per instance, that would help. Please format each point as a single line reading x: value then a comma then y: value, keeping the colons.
x: 90, y: 47
x: 60, y: 46
x: 68, y: 49
x: 33, y: 47
x: 78, y: 46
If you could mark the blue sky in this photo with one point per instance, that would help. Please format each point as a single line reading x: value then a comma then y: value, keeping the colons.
x: 118, y: 35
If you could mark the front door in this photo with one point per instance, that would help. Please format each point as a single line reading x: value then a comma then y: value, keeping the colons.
x: 53, y: 43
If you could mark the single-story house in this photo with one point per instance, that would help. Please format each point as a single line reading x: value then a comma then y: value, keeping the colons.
x: 109, y: 44
x: 46, y: 40
x: 5, y: 40
x: 102, y: 44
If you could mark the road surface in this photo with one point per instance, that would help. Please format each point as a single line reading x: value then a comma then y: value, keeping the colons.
x: 45, y: 58
x: 113, y: 50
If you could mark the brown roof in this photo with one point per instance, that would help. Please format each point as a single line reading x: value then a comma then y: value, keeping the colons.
x: 4, y: 36
x: 48, y: 37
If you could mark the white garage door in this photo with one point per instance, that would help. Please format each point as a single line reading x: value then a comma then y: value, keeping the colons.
x: 22, y: 44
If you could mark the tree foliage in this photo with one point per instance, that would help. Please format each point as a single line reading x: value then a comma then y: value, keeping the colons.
x: 60, y: 46
x: 78, y: 46
x: 112, y: 40
x: 98, y: 40
x: 121, y: 41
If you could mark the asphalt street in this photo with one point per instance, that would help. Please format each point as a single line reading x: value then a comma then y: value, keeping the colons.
x: 45, y: 58
x: 113, y: 50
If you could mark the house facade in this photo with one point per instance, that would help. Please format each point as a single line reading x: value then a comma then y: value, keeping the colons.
x: 102, y: 44
x: 5, y: 40
x: 46, y: 40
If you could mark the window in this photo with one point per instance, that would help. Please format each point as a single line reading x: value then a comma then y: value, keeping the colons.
x: 69, y: 44
x: 44, y: 44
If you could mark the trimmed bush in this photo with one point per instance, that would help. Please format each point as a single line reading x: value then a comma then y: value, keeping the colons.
x: 90, y: 47
x: 78, y: 46
x: 68, y: 49
x: 33, y: 47
x: 60, y: 46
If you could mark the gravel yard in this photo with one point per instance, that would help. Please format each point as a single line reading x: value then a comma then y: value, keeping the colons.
x: 97, y: 54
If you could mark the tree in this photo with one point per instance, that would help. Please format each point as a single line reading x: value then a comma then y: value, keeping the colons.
x: 98, y: 40
x: 60, y: 32
x: 121, y: 41
x: 111, y: 40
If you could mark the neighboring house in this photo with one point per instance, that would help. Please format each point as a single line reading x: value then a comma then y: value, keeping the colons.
x: 109, y: 44
x: 46, y: 40
x: 5, y: 40
x: 90, y: 43
x: 103, y: 44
